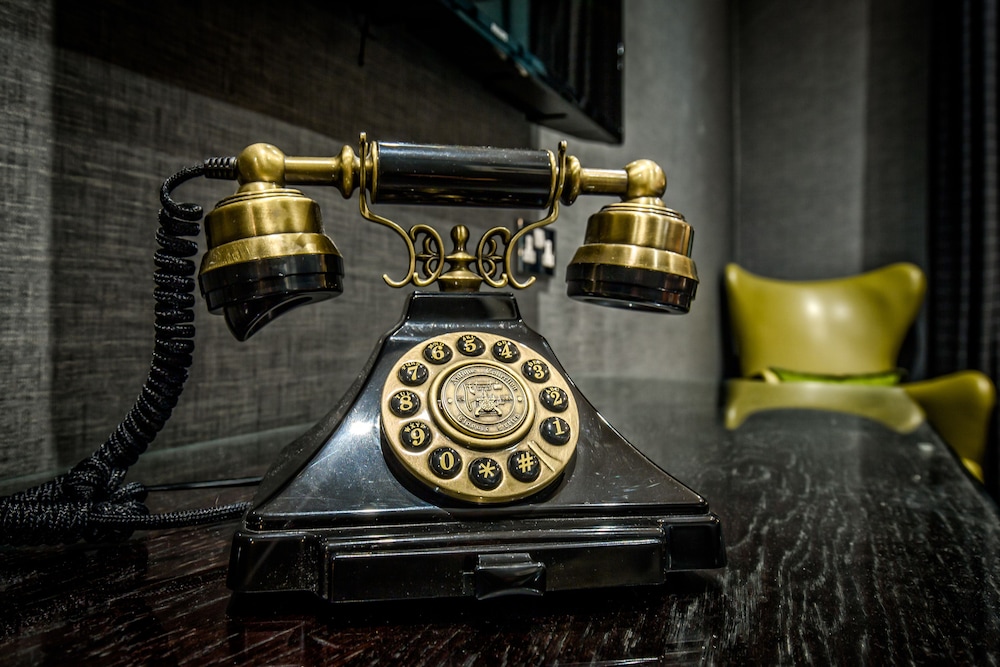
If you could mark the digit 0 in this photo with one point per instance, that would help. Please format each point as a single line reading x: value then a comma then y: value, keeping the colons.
x: 447, y: 461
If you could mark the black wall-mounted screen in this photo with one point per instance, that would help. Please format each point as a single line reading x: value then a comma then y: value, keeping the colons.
x: 559, y: 61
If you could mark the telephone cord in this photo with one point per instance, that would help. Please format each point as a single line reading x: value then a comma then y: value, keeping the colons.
x: 90, y: 502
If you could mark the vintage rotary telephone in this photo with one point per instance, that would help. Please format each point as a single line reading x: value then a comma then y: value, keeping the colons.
x: 463, y: 461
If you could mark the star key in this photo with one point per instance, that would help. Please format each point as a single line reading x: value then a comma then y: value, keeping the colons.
x: 485, y: 473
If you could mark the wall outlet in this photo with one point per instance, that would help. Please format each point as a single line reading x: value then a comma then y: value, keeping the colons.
x: 536, y: 252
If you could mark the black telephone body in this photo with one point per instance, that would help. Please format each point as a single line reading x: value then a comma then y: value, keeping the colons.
x: 463, y: 462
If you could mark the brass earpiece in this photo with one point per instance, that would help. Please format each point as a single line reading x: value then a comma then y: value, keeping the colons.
x: 636, y: 253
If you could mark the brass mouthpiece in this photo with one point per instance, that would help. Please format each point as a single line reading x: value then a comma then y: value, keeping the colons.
x: 267, y: 254
x: 636, y: 254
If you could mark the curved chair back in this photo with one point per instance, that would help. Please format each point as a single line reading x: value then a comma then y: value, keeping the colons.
x: 844, y: 326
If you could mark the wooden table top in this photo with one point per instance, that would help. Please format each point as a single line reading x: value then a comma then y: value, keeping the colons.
x: 847, y: 543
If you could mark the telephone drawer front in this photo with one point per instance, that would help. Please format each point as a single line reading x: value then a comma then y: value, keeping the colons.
x: 460, y: 572
x: 475, y: 560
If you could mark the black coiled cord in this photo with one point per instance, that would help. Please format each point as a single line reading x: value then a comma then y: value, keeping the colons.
x: 90, y: 502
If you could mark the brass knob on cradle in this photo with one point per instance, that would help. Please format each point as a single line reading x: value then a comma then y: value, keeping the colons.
x: 458, y: 277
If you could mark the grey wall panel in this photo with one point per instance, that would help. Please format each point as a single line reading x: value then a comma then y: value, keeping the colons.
x: 896, y: 171
x: 678, y: 113
x: 137, y: 91
x: 832, y: 125
x: 801, y: 118
x: 808, y: 112
x: 832, y: 133
x: 25, y: 237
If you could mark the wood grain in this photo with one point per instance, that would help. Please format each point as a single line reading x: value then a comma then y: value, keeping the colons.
x: 847, y: 544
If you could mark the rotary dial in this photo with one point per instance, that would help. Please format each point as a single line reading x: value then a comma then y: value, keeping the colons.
x: 479, y: 417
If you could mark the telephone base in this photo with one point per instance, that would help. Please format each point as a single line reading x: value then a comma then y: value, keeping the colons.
x: 337, y: 518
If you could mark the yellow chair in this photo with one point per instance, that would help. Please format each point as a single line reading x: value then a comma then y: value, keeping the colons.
x: 850, y: 330
x: 958, y: 406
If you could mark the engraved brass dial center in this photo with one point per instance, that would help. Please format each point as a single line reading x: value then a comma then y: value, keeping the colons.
x: 482, y: 400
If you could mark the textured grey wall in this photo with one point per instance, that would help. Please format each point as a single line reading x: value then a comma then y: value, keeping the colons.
x: 25, y: 237
x: 896, y: 168
x: 801, y: 119
x: 108, y: 98
x: 104, y: 100
x: 809, y: 112
x: 678, y: 113
x: 831, y: 126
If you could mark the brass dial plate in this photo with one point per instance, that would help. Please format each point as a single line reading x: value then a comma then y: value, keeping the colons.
x: 482, y: 404
x: 479, y: 417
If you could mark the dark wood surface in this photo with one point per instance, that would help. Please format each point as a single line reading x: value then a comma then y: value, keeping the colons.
x: 847, y: 543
